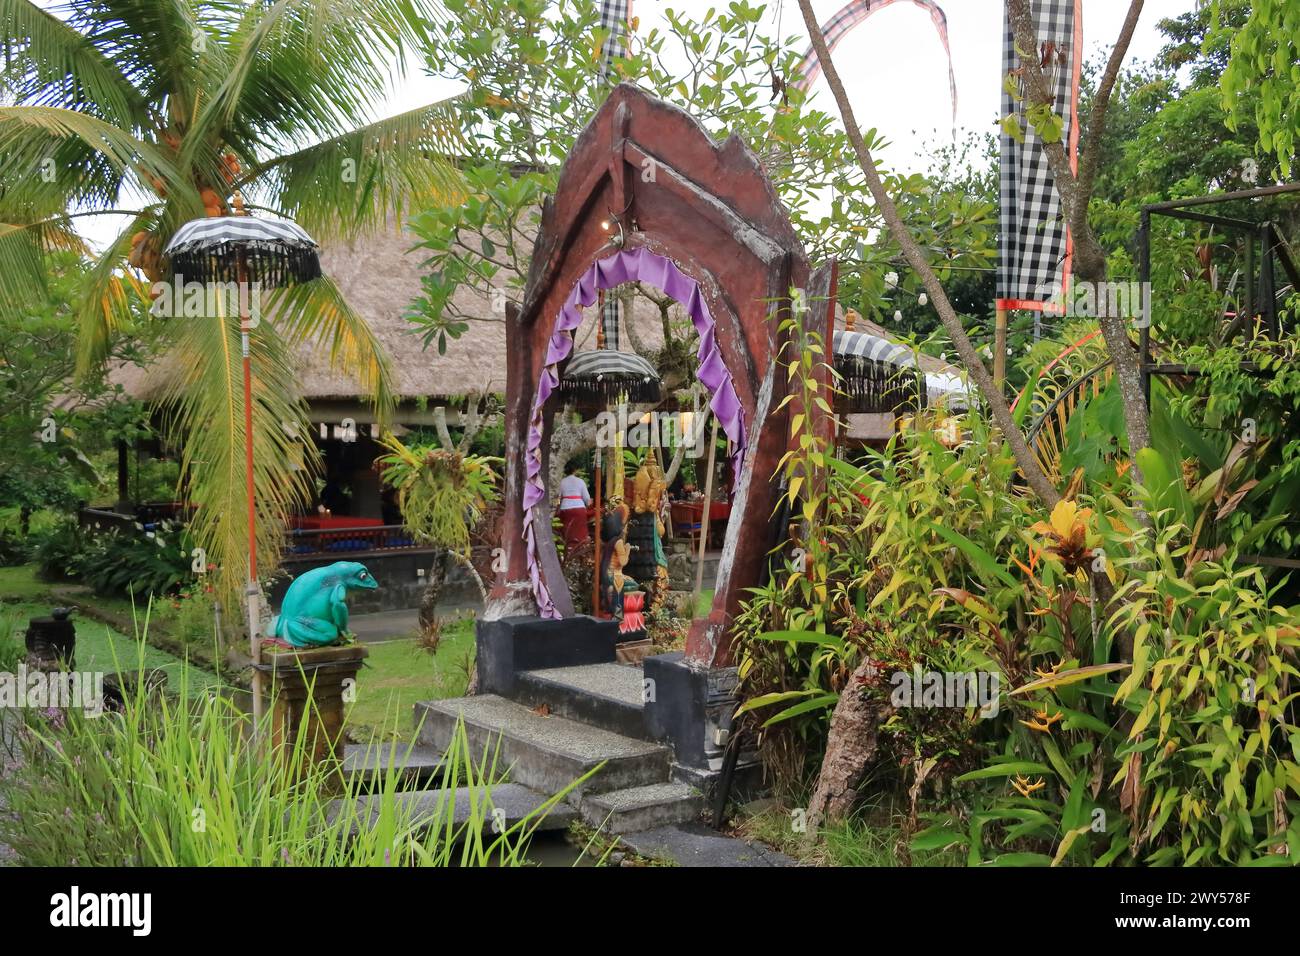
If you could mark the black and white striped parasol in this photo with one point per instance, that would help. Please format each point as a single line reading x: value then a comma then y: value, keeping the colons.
x: 274, y: 252
x: 876, y: 375
x: 604, y: 376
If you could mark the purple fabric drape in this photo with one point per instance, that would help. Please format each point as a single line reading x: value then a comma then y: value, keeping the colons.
x: 628, y: 266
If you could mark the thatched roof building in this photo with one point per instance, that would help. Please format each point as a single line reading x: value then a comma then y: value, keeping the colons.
x: 380, y: 277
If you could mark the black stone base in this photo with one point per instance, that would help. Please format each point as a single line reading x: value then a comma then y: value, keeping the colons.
x: 690, y: 708
x: 513, y: 644
x: 747, y: 783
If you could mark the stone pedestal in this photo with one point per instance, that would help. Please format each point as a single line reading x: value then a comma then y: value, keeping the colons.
x: 510, y: 645
x: 307, y: 687
x: 690, y: 706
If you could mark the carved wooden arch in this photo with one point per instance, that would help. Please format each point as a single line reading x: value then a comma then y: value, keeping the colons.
x: 644, y: 174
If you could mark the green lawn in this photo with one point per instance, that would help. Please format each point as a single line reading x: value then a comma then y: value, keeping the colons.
x: 400, y: 672
x: 19, y: 584
x: 100, y: 648
x: 397, y: 674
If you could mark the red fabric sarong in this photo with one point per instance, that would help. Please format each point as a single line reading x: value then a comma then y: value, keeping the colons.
x: 574, y: 521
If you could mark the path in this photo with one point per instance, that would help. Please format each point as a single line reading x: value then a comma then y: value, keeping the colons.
x: 389, y: 625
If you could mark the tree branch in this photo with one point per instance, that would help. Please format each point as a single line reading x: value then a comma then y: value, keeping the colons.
x: 997, y: 404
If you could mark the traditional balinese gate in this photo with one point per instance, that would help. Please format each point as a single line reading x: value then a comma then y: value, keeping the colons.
x: 647, y: 195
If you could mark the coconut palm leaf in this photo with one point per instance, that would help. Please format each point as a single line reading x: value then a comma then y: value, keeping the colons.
x: 23, y: 247
x: 315, y: 313
x: 113, y: 296
x: 365, y: 179
x: 204, y: 401
x: 48, y: 62
x: 308, y: 67
x: 92, y: 160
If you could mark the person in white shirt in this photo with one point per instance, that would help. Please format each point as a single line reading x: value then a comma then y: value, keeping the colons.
x: 574, y: 501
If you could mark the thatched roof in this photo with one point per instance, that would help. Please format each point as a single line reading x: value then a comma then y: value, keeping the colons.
x: 380, y: 277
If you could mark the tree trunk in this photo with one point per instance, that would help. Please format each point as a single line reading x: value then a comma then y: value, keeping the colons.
x: 850, y: 750
x: 433, y: 592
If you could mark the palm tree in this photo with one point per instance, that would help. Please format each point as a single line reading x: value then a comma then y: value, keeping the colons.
x: 162, y: 111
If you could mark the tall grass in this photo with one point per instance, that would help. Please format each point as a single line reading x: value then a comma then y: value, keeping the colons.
x: 174, y: 781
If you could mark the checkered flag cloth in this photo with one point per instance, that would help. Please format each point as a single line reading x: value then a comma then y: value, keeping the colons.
x: 852, y: 14
x: 609, y: 322
x: 613, y: 17
x: 1034, y: 241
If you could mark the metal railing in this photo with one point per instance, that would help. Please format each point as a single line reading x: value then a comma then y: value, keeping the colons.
x: 307, y: 542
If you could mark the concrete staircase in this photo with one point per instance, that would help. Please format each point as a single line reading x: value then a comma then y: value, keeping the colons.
x: 563, y: 725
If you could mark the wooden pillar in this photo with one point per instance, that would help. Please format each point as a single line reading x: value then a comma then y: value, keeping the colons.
x: 1000, y: 348
x: 520, y: 388
x: 123, y: 478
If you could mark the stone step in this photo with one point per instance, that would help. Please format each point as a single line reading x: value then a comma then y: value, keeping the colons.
x: 642, y: 808
x: 693, y: 844
x: 608, y: 696
x: 515, y: 803
x: 417, y: 766
x: 546, y: 753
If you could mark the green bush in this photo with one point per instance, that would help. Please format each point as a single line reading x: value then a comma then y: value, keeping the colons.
x: 60, y: 550
x: 138, y: 565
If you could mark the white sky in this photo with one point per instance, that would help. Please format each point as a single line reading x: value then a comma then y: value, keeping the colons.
x: 893, y: 66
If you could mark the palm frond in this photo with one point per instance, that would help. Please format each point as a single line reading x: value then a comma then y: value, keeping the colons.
x: 309, y: 68
x: 204, y: 399
x: 154, y: 43
x: 23, y: 248
x: 47, y: 180
x: 112, y: 297
x: 48, y: 62
x: 366, y: 179
x: 316, y: 314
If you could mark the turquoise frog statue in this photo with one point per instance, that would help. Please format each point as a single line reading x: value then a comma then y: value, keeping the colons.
x: 314, y: 612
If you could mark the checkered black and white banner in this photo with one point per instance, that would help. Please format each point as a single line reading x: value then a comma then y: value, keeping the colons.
x: 1034, y: 241
x: 613, y: 17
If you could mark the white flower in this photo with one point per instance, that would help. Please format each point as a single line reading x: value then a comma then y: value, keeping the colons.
x: 922, y: 299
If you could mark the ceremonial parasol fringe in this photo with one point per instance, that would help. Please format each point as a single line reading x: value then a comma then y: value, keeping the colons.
x: 270, y: 263
x: 870, y: 386
x: 586, y: 391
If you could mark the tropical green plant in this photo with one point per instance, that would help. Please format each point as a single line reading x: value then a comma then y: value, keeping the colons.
x: 59, y: 551
x: 1265, y: 54
x: 140, y: 565
x: 1186, y: 759
x: 160, y: 112
x: 443, y: 493
x: 170, y: 783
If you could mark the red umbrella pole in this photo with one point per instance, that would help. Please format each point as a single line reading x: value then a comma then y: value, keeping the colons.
x: 254, y: 638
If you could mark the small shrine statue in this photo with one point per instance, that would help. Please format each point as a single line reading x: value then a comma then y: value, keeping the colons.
x: 615, y: 556
x: 646, y: 530
x: 314, y: 612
